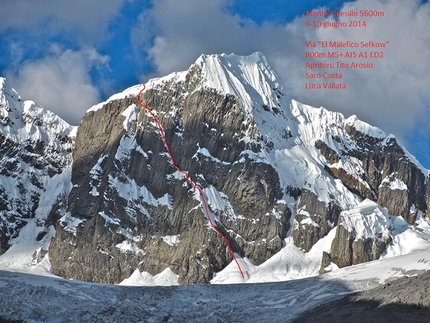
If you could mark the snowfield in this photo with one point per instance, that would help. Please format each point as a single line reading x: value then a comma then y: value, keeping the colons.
x: 47, y: 299
x: 39, y: 298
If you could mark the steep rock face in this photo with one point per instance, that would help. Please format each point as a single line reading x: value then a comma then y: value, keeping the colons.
x: 325, y: 262
x: 130, y: 209
x: 400, y: 174
x: 35, y: 150
x: 314, y: 219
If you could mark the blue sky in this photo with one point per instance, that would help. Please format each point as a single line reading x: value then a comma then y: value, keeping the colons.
x: 69, y: 56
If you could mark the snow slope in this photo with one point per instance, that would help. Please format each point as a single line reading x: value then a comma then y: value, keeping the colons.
x: 27, y: 255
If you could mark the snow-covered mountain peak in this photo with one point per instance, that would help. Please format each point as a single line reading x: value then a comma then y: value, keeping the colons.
x: 249, y: 78
x: 322, y: 124
x: 6, y: 89
x: 10, y: 106
x: 25, y: 120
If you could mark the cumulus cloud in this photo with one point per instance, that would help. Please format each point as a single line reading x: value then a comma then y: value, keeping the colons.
x: 57, y: 78
x: 393, y: 95
x: 61, y: 81
x: 50, y: 17
x: 176, y: 32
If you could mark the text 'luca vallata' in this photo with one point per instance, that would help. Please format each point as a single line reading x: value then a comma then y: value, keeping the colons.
x: 327, y: 86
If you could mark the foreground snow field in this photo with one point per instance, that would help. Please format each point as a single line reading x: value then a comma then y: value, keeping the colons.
x: 37, y: 298
x: 47, y: 299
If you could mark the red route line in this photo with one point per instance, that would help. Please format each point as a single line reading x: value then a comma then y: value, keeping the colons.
x: 163, y: 135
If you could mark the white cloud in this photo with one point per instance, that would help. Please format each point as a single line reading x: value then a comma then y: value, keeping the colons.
x: 57, y: 78
x: 181, y: 30
x: 393, y: 95
x: 88, y: 19
x: 61, y: 81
